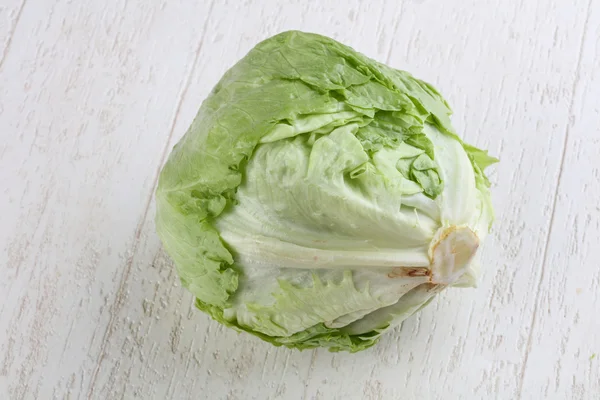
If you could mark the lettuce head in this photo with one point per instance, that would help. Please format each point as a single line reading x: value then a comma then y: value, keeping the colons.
x: 320, y: 198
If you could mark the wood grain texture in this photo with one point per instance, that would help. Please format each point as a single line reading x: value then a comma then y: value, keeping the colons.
x: 89, y: 95
x: 562, y: 357
x: 93, y: 95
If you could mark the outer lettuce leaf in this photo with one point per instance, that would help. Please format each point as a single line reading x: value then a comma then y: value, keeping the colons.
x: 481, y: 160
x: 316, y: 336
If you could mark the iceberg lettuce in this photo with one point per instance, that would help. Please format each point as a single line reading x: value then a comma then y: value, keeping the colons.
x: 320, y: 198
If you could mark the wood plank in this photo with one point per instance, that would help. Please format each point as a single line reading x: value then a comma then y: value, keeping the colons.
x: 564, y: 357
x: 88, y: 102
x: 507, y: 69
x: 162, y: 347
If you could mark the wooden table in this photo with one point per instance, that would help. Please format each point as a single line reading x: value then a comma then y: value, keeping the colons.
x: 94, y: 94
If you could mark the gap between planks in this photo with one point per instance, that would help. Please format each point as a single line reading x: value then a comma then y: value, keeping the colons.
x: 125, y: 275
x: 576, y: 81
x: 11, y: 33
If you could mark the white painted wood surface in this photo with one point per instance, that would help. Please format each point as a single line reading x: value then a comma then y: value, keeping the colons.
x: 94, y: 94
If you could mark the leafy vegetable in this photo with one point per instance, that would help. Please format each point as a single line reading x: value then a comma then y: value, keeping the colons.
x: 319, y: 197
